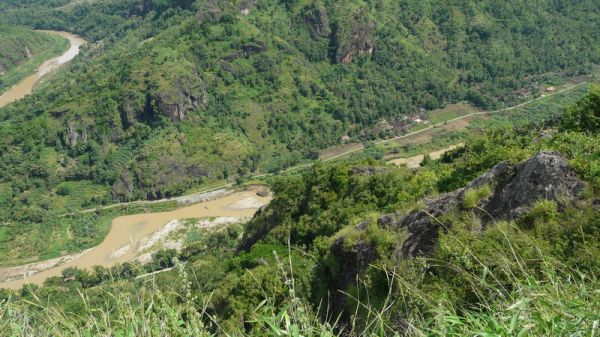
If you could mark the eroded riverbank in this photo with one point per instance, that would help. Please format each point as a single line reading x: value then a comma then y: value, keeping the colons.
x: 129, y: 232
x: 25, y: 87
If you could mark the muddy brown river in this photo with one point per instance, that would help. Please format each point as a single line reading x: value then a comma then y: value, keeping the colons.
x: 128, y: 232
x: 25, y: 87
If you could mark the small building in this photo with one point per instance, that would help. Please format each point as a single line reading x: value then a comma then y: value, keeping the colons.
x: 417, y: 119
x: 345, y: 138
x: 523, y: 92
x: 551, y: 89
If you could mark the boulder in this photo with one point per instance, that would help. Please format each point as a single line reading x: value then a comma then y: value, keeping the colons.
x: 263, y: 193
x: 545, y: 176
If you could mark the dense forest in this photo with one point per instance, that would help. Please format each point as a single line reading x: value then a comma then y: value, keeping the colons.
x: 171, y: 95
x: 496, y: 238
x: 22, y: 50
x: 493, y: 239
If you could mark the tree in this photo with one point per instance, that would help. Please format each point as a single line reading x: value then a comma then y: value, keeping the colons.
x: 584, y: 115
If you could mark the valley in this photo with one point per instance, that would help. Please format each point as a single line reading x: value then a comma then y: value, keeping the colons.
x: 299, y: 168
x: 128, y: 227
x: 128, y: 233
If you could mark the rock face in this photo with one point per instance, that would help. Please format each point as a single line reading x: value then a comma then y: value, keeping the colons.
x: 169, y: 94
x: 515, y: 189
x: 75, y: 135
x: 545, y: 176
x: 246, y: 6
x: 316, y: 18
x: 360, y: 40
x: 185, y: 96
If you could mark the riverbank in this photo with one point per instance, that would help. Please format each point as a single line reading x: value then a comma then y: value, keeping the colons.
x: 22, y: 52
x: 131, y: 232
x: 25, y: 87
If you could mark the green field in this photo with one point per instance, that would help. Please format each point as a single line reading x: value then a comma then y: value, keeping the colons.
x: 536, y: 112
x: 450, y: 112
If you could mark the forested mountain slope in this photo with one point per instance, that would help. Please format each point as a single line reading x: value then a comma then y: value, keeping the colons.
x: 492, y: 239
x: 173, y: 94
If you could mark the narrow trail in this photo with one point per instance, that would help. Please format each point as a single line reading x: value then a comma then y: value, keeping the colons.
x: 433, y: 126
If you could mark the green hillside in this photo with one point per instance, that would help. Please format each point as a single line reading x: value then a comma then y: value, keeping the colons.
x: 332, y: 255
x: 174, y: 96
x: 23, y: 50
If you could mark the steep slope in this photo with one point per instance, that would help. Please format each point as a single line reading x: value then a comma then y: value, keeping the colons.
x: 176, y: 94
x: 364, y: 248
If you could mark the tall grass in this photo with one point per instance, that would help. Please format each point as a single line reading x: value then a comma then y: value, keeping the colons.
x: 514, y: 297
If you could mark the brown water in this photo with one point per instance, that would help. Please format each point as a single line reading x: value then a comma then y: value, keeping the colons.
x: 25, y: 87
x: 129, y: 231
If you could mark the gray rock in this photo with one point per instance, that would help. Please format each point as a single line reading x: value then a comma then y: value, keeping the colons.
x: 75, y: 135
x: 263, y: 193
x: 352, y: 261
x: 545, y: 176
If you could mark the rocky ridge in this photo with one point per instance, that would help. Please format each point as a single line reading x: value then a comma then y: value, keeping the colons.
x: 514, y: 189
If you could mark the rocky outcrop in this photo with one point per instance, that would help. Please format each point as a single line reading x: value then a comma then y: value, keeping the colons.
x: 353, y: 260
x: 246, y: 6
x: 360, y: 40
x: 171, y: 91
x: 183, y: 95
x: 75, y: 135
x: 316, y: 18
x: 177, y: 105
x: 545, y: 176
